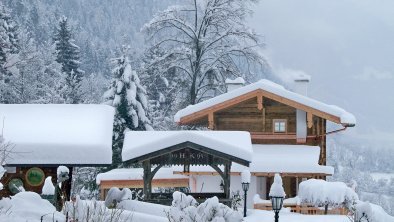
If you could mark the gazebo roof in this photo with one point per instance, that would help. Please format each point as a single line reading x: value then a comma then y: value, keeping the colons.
x: 58, y: 134
x: 234, y: 145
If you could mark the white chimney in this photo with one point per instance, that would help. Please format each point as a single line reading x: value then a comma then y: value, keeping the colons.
x: 234, y: 83
x: 301, y: 87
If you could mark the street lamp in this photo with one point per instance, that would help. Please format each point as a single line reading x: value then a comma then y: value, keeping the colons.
x: 277, y: 194
x: 277, y: 203
x: 245, y: 186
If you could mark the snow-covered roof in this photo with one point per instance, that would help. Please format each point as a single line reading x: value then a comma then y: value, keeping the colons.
x: 278, y: 159
x: 288, y: 159
x: 234, y: 143
x: 345, y: 117
x: 136, y: 174
x: 61, y: 134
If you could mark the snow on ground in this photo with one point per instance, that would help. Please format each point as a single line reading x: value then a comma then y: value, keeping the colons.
x: 144, y: 207
x: 268, y: 216
x: 28, y: 206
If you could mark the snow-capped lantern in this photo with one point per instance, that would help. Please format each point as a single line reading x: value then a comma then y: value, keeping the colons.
x: 62, y: 174
x: 277, y: 194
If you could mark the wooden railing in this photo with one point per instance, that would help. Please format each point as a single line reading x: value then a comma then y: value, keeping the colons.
x: 304, y: 209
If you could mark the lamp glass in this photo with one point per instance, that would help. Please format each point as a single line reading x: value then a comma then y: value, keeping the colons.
x: 277, y: 203
x: 245, y: 186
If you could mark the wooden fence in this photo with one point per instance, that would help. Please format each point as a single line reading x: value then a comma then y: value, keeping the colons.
x: 304, y: 209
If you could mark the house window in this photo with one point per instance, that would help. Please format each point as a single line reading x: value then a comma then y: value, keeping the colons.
x: 280, y: 125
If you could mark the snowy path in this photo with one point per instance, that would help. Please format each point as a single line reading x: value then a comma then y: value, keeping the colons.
x: 268, y: 216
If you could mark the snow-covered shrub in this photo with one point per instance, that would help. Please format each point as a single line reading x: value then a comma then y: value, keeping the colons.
x: 186, y: 209
x: 94, y: 211
x: 115, y: 196
x: 322, y: 193
x: 28, y: 206
x: 367, y: 212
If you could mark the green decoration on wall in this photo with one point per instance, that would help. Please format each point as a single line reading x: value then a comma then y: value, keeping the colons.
x: 15, y: 185
x: 35, y: 176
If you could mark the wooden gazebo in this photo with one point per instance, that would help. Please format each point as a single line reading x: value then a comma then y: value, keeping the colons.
x: 218, y: 149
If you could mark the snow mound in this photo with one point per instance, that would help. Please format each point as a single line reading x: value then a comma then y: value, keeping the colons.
x: 277, y: 187
x: 321, y: 192
x: 48, y: 188
x: 28, y: 206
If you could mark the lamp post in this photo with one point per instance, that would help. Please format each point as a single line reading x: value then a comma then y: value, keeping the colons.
x: 277, y: 194
x: 277, y: 203
x: 245, y: 186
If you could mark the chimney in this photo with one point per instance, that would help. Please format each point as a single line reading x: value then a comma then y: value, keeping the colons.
x: 234, y: 83
x: 301, y: 82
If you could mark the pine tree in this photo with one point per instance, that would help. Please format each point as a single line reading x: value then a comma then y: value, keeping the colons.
x: 9, y: 49
x: 67, y: 53
x: 128, y: 96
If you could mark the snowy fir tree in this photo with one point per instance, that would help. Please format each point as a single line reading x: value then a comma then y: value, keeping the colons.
x: 129, y: 98
x: 67, y: 53
x: 9, y: 49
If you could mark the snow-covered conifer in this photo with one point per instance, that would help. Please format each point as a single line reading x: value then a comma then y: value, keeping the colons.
x: 9, y: 49
x: 67, y: 53
x: 129, y: 98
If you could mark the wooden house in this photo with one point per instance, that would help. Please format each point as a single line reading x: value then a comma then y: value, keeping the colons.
x: 43, y: 137
x: 288, y: 130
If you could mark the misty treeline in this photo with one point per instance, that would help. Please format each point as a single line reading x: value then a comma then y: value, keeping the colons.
x: 367, y: 168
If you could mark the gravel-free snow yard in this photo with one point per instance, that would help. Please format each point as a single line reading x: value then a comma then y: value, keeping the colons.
x: 268, y: 216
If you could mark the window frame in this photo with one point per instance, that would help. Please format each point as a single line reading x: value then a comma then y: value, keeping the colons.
x: 279, y: 121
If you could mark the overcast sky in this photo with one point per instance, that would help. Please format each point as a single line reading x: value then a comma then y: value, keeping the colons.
x: 347, y: 46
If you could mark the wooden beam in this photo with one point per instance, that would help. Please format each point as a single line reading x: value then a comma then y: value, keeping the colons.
x: 211, y: 121
x: 309, y: 119
x: 260, y: 101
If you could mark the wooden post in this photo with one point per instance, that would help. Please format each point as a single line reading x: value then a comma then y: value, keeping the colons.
x: 147, y: 179
x: 211, y: 121
x: 227, y: 170
x: 309, y: 119
x: 260, y: 102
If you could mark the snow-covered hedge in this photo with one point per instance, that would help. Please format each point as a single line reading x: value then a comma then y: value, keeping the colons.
x: 323, y: 193
x: 186, y: 209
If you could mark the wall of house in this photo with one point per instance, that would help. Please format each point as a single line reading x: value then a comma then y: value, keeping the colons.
x: 20, y: 172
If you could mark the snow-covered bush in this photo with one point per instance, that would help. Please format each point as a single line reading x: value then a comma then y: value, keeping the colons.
x: 94, y: 211
x: 367, y: 212
x: 323, y: 193
x: 115, y: 196
x: 28, y: 206
x: 186, y: 209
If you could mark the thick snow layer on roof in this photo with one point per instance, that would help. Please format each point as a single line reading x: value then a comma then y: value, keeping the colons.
x: 58, y: 134
x: 234, y: 143
x: 345, y: 117
x: 278, y: 159
x: 136, y: 174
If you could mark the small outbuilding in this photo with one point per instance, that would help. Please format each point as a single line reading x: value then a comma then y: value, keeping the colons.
x: 155, y: 149
x: 45, y: 136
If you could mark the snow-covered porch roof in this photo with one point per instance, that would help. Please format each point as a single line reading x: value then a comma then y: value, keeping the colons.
x: 59, y: 134
x: 265, y: 88
x: 271, y: 159
x: 235, y: 145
